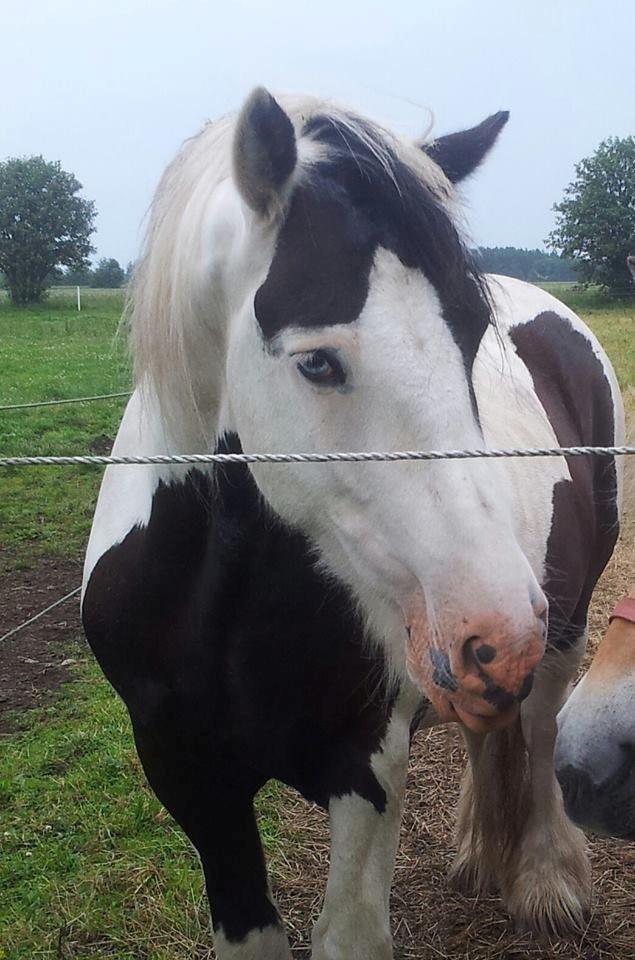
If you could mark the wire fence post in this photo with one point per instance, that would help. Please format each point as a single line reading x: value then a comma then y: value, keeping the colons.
x: 79, y: 300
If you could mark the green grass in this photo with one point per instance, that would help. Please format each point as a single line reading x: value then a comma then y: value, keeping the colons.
x: 91, y: 865
x: 49, y: 352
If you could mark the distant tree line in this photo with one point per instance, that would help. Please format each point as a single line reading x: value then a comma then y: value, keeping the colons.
x: 533, y: 265
x: 107, y: 272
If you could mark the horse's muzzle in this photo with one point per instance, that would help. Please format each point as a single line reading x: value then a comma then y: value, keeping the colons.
x: 479, y: 669
x: 606, y: 807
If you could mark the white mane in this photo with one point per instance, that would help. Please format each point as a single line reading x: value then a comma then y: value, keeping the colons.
x: 176, y: 308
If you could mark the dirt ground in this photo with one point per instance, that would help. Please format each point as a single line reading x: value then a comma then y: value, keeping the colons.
x: 36, y: 660
x: 429, y: 919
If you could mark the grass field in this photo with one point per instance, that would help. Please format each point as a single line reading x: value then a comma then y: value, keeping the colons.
x: 52, y: 352
x: 91, y: 865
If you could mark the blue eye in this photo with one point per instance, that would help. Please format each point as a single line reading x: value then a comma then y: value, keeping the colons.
x: 322, y: 367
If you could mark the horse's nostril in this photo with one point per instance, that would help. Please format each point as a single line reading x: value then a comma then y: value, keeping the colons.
x: 485, y: 653
x: 490, y: 664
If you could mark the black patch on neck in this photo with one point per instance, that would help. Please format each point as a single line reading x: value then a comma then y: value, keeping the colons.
x: 351, y: 204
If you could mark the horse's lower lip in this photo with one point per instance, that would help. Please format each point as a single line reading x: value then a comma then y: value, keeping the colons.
x: 449, y: 712
x: 480, y: 723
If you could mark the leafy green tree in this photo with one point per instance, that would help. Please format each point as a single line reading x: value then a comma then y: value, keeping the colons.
x: 43, y: 225
x: 107, y: 273
x: 595, y: 222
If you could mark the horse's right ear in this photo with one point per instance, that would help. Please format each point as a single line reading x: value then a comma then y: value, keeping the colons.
x: 459, y: 154
x: 265, y: 153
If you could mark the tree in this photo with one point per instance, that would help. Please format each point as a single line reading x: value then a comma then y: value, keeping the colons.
x: 595, y: 222
x: 77, y: 277
x: 107, y: 273
x: 43, y: 225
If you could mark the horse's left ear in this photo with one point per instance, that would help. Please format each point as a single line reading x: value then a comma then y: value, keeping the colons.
x: 459, y: 154
x: 265, y: 153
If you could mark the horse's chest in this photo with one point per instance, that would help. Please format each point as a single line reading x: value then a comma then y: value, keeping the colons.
x: 213, y: 618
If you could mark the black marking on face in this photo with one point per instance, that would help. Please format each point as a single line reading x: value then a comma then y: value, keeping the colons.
x: 442, y: 675
x: 573, y: 389
x: 347, y: 208
x: 497, y: 695
x: 319, y: 274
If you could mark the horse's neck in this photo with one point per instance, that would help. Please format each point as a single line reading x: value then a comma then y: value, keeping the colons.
x: 146, y: 428
x: 127, y: 492
x: 144, y: 431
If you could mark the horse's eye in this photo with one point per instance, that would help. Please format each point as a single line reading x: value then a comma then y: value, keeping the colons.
x: 322, y: 367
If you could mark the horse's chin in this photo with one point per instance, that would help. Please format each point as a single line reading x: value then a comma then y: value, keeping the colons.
x: 454, y: 710
x: 478, y: 723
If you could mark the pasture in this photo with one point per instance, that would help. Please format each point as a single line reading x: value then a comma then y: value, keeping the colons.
x: 92, y: 867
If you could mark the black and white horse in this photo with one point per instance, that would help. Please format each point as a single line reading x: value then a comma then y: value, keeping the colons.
x: 305, y: 288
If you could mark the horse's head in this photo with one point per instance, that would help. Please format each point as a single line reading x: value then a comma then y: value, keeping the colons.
x: 595, y: 748
x: 352, y: 314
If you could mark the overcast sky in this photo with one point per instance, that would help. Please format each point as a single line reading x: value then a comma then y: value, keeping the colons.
x: 112, y: 88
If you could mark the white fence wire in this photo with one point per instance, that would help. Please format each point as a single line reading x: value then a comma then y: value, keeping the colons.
x: 334, y: 457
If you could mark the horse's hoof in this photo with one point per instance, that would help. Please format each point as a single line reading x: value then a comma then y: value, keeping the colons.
x: 550, y: 892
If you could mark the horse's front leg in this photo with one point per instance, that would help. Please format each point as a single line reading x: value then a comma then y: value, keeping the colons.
x: 218, y: 817
x: 355, y: 920
x: 512, y: 828
x: 549, y: 884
